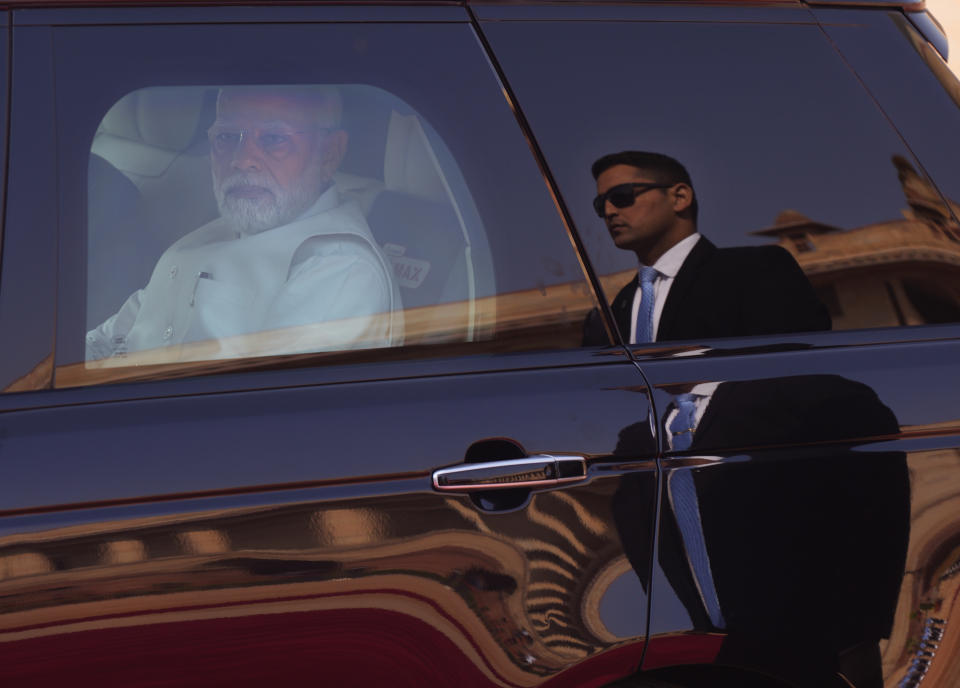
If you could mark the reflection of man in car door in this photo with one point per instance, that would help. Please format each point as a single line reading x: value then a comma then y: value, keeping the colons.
x: 806, y: 550
x: 286, y: 254
x: 686, y: 287
x: 776, y: 527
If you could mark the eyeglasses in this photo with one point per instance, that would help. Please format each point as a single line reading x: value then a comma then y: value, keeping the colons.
x: 275, y: 143
x: 624, y: 195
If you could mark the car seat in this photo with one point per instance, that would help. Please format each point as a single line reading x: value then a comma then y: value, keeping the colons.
x: 423, y: 237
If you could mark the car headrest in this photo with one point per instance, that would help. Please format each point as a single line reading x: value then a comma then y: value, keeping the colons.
x: 361, y: 190
x: 147, y: 129
x: 409, y: 163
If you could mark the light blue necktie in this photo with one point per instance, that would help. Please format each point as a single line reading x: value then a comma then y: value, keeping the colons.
x: 686, y: 507
x: 683, y: 424
x: 644, y: 331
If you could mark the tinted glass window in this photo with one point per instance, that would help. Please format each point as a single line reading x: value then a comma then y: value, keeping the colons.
x: 783, y: 145
x: 25, y: 348
x: 913, y: 84
x: 367, y: 189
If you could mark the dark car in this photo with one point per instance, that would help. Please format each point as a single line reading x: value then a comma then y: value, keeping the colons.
x: 319, y: 367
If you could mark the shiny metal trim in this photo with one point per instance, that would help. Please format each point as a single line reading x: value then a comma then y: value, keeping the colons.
x: 693, y: 461
x: 926, y: 649
x: 626, y: 466
x: 542, y: 470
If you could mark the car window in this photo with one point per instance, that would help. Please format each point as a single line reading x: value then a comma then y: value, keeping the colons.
x: 17, y: 352
x: 893, y: 59
x: 784, y: 148
x: 367, y: 193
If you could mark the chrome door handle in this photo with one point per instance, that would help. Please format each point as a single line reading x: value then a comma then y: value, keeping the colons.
x: 542, y: 470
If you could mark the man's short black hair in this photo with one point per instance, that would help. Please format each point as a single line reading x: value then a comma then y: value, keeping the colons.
x: 662, y: 168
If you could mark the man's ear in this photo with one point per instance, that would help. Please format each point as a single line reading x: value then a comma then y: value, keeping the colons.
x: 332, y: 149
x: 682, y: 196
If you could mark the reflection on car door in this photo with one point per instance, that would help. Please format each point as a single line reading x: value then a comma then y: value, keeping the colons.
x: 252, y: 535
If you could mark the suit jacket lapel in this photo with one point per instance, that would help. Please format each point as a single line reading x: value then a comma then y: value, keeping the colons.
x: 622, y: 305
x: 718, y: 402
x: 686, y: 277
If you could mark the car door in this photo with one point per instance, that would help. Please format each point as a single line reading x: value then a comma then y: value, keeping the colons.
x: 797, y: 519
x: 188, y: 515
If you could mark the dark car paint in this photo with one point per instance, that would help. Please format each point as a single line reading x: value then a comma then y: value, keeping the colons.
x: 141, y: 546
x: 495, y: 574
x: 784, y: 466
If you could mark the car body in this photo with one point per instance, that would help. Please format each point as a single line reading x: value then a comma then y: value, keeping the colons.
x: 491, y: 503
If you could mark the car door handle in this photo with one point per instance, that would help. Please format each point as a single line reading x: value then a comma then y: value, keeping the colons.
x: 542, y: 470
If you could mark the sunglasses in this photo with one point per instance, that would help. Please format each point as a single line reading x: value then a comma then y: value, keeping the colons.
x: 623, y: 195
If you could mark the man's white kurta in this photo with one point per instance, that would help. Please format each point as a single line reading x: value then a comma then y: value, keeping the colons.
x: 319, y: 283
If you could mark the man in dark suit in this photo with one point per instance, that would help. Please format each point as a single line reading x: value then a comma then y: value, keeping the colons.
x: 686, y: 287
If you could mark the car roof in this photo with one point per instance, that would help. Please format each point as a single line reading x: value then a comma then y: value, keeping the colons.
x: 911, y: 5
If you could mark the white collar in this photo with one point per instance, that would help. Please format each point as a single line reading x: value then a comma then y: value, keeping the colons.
x: 670, y: 262
x: 326, y: 201
x: 705, y: 389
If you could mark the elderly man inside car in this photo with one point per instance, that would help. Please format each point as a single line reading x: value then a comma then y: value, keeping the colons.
x: 287, y: 257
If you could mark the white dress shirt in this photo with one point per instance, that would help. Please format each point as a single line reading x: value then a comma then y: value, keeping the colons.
x: 667, y: 268
x: 702, y: 394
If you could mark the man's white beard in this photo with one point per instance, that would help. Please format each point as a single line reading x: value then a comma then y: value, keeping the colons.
x: 257, y: 215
